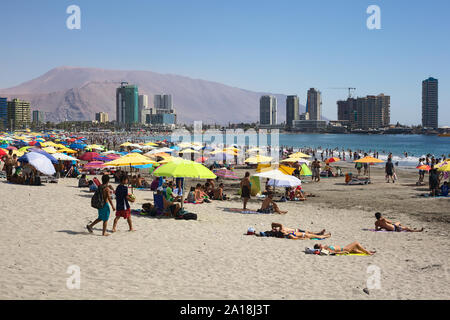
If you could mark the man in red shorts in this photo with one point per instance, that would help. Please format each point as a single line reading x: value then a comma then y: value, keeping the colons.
x: 123, y: 209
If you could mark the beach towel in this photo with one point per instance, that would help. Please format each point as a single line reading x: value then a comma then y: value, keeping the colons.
x: 238, y: 210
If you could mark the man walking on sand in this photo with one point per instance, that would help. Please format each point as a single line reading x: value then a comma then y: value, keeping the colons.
x: 122, y: 204
x: 103, y: 213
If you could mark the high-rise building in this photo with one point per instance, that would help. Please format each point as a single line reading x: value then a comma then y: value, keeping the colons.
x: 292, y: 110
x: 127, y: 104
x: 163, y: 113
x: 371, y: 112
x: 430, y: 104
x: 143, y: 105
x: 163, y: 102
x: 268, y: 110
x: 38, y: 117
x: 102, y: 117
x: 314, y: 104
x: 19, y: 114
x: 3, y: 113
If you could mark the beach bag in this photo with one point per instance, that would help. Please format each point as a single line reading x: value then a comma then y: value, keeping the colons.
x: 189, y: 216
x: 97, y: 200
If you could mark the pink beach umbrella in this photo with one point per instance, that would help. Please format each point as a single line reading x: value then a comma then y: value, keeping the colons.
x: 94, y: 165
x: 89, y: 156
x: 226, y: 174
x: 11, y: 148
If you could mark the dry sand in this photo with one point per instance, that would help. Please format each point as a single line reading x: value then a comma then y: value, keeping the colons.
x: 43, y: 233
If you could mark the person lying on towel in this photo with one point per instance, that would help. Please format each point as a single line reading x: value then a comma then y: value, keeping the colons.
x: 279, y: 231
x: 354, y: 247
x: 385, y: 224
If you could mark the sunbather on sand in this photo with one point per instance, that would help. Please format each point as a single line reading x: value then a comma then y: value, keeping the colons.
x: 383, y: 223
x: 269, y: 206
x: 299, y: 234
x: 354, y: 247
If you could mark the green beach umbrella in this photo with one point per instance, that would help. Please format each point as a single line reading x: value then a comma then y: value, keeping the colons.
x: 305, y: 171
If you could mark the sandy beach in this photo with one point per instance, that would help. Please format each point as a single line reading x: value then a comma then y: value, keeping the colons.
x: 43, y: 233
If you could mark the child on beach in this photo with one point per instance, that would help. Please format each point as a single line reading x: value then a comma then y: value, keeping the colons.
x: 123, y: 206
x: 103, y: 213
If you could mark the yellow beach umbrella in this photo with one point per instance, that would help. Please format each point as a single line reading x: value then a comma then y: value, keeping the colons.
x: 151, y: 144
x: 258, y: 159
x: 369, y: 159
x: 444, y: 167
x: 131, y: 159
x: 50, y: 150
x: 188, y: 151
x: 126, y: 144
x: 299, y: 155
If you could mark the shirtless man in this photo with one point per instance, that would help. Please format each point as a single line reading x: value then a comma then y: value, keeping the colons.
x: 269, y: 205
x: 383, y: 223
x: 299, y: 234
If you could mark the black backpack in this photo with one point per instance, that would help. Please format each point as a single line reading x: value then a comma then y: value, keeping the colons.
x: 97, y: 200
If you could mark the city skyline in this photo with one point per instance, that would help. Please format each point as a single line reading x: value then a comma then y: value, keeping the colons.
x: 347, y: 53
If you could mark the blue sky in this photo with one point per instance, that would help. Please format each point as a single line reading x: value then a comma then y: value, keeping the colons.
x: 284, y: 46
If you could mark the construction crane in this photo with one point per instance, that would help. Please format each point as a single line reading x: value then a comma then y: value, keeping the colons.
x: 349, y: 90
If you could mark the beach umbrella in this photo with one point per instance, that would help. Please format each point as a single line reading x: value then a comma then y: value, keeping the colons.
x: 299, y: 155
x: 369, y: 160
x: 181, y: 168
x: 49, y: 156
x: 3, y: 152
x: 50, y: 150
x: 101, y: 158
x: 289, y: 181
x: 225, y: 173
x: 151, y: 144
x: 445, y: 167
x: 77, y: 146
x: 24, y: 149
x: 298, y: 160
x: 131, y: 159
x: 40, y: 162
x: 89, y: 156
x: 424, y: 167
x: 95, y: 147
x: 94, y: 165
x: 11, y: 148
x: 64, y: 157
x: 331, y: 160
x: 258, y: 159
x: 137, y: 150
x: 144, y: 166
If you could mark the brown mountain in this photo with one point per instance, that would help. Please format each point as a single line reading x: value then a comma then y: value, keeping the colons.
x: 76, y: 93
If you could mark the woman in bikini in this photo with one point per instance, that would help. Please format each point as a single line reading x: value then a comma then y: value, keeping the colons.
x: 354, y: 247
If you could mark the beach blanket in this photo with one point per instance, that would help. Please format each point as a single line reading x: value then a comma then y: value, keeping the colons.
x: 239, y: 210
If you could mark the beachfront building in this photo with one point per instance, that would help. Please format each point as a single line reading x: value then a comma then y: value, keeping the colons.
x: 3, y: 113
x: 127, y: 104
x: 314, y: 104
x: 430, y: 103
x: 163, y: 103
x: 371, y: 112
x: 19, y: 114
x: 268, y: 110
x: 309, y: 125
x: 101, y: 117
x: 143, y: 105
x: 163, y: 114
x: 38, y: 117
x: 292, y: 110
x: 304, y: 116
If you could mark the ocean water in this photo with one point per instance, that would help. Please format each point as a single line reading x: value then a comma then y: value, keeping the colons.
x: 415, y: 145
